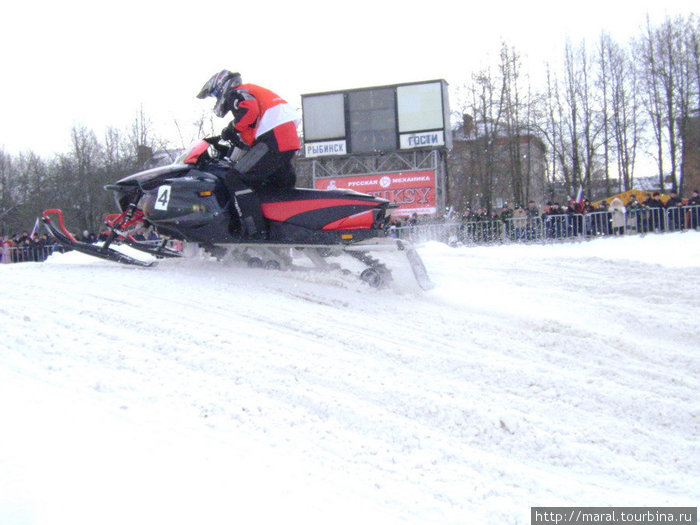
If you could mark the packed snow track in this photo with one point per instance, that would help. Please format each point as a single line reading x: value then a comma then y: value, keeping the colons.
x: 198, y: 392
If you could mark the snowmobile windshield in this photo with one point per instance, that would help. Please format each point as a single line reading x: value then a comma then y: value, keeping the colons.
x: 192, y: 154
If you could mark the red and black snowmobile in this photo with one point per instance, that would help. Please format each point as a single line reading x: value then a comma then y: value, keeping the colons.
x: 188, y: 201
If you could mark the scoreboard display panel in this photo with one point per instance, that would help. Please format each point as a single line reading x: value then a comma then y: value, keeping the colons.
x: 377, y: 119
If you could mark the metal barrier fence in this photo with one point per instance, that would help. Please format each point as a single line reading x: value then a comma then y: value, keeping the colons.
x: 552, y: 228
x: 32, y: 253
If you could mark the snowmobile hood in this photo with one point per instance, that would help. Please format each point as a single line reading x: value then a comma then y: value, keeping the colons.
x: 142, y: 177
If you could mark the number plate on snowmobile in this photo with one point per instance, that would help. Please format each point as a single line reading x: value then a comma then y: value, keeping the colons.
x: 163, y: 198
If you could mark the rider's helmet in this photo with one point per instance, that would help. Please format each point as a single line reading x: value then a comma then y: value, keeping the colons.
x: 218, y: 86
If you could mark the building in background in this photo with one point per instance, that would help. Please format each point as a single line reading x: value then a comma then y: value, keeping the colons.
x: 488, y: 169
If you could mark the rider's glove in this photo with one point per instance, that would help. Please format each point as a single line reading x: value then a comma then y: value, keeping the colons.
x: 229, y: 133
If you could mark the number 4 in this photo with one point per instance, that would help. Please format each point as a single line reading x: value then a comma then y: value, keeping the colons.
x: 163, y: 198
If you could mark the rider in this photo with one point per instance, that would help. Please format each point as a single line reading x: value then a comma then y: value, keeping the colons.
x: 263, y: 124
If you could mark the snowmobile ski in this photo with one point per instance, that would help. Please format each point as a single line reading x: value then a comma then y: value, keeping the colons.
x: 157, y: 251
x: 64, y: 237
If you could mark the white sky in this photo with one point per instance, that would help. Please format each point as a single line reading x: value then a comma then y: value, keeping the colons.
x: 92, y: 63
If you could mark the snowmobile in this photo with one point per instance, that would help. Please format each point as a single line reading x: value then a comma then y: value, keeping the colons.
x: 188, y: 201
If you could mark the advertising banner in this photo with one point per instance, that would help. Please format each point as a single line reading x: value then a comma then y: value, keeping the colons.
x: 413, y: 191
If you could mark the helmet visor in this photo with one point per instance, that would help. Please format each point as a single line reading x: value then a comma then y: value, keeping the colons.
x: 208, y: 87
x: 220, y: 108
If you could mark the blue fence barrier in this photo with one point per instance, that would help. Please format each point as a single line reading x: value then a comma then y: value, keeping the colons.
x: 552, y: 228
x: 33, y: 253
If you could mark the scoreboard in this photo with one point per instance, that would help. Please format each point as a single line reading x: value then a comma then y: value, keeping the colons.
x: 377, y: 119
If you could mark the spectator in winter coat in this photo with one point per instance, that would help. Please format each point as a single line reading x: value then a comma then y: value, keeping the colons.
x: 617, y: 210
x: 554, y: 221
x: 604, y: 218
x: 506, y: 213
x: 574, y: 210
x: 532, y: 215
x: 656, y: 210
x: 532, y: 211
x: 636, y: 215
x: 6, y: 250
x: 22, y: 238
x: 264, y: 125
x: 674, y: 212
x: 589, y: 222
x: 573, y: 207
x: 673, y: 200
x: 694, y: 202
x: 555, y: 209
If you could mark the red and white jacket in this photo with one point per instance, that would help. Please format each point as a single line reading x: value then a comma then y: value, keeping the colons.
x: 266, y: 111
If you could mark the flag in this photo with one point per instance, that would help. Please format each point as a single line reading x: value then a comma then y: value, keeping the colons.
x: 36, y: 227
x: 579, y: 196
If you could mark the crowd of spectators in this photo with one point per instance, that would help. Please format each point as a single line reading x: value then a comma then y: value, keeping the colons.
x: 583, y: 217
x: 25, y: 247
x: 34, y: 247
x: 398, y: 223
x: 652, y: 214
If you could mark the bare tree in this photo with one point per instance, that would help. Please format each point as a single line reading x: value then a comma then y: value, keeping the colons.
x: 571, y: 100
x: 589, y: 117
x: 86, y: 156
x: 144, y: 141
x: 603, y: 84
x: 487, y: 96
x: 621, y: 114
x: 8, y: 202
x: 516, y: 124
x: 626, y: 115
x: 6, y: 172
x: 552, y: 127
x: 669, y: 66
x: 117, y: 157
x: 23, y: 189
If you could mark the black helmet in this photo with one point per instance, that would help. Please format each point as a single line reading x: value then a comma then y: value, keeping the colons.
x: 218, y: 86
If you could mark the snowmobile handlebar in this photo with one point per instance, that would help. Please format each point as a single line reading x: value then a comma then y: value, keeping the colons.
x: 223, y: 150
x: 226, y: 149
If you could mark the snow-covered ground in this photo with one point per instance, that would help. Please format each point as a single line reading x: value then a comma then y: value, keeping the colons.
x: 196, y: 392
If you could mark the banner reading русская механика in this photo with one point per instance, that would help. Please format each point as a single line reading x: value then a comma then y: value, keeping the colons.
x: 412, y: 191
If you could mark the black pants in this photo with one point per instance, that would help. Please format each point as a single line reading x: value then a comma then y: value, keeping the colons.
x: 262, y: 166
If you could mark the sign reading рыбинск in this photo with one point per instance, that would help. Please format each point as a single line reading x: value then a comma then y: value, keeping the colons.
x: 318, y: 149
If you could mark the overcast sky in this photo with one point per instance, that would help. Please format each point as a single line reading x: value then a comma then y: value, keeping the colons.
x: 93, y: 63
